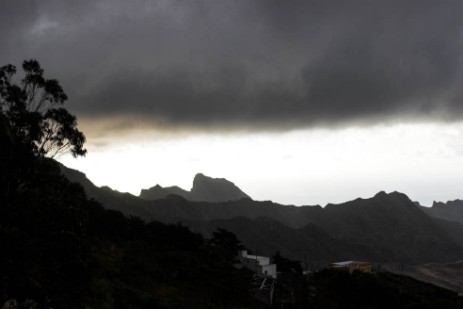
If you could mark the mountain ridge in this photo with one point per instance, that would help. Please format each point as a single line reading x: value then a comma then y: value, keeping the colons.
x: 383, y: 228
x: 450, y: 211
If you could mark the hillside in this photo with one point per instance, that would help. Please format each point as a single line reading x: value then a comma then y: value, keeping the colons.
x: 98, y: 257
x: 446, y: 275
x: 75, y: 253
x: 62, y: 250
x: 330, y: 289
x: 394, y: 226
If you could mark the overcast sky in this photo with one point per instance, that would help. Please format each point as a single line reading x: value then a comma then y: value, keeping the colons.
x: 146, y: 77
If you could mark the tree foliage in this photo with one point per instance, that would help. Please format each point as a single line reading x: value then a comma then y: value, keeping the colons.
x: 226, y: 243
x: 32, y: 113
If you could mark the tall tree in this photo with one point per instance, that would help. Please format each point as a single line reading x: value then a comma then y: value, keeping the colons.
x: 33, y: 125
x: 32, y: 112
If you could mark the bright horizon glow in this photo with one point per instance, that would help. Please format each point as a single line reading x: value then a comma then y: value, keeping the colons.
x: 302, y: 167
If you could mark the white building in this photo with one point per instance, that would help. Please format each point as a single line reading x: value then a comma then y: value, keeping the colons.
x: 258, y: 264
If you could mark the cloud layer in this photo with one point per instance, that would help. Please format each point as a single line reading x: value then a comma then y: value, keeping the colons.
x: 246, y: 63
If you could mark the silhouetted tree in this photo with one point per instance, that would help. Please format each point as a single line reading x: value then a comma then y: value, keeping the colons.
x: 33, y: 115
x: 33, y: 125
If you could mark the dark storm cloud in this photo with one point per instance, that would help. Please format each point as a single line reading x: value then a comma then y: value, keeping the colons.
x: 287, y: 63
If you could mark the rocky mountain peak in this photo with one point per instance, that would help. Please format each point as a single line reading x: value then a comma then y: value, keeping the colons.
x: 215, y: 189
x: 205, y: 189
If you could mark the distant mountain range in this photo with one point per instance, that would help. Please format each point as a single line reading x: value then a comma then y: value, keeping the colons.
x: 384, y: 228
x: 205, y: 189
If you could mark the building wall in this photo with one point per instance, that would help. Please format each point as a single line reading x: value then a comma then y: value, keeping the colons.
x: 251, y: 264
x: 258, y: 264
x: 270, y: 270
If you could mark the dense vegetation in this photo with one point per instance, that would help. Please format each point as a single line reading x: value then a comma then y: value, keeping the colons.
x: 62, y: 250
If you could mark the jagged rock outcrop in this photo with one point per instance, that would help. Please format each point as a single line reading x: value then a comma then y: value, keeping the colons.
x: 205, y: 189
x: 209, y: 189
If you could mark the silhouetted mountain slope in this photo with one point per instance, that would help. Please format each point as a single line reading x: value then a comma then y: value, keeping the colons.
x: 110, y: 199
x: 450, y: 211
x: 204, y: 189
x: 386, y: 227
x: 453, y: 229
x: 394, y: 226
x: 266, y: 236
x: 382, y: 229
x: 172, y: 209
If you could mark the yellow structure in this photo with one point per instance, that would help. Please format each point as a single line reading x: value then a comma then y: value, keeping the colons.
x: 351, y: 266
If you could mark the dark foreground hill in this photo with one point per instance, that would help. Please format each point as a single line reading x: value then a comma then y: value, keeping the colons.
x: 330, y: 289
x: 384, y: 228
x: 61, y: 250
x: 447, y: 275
